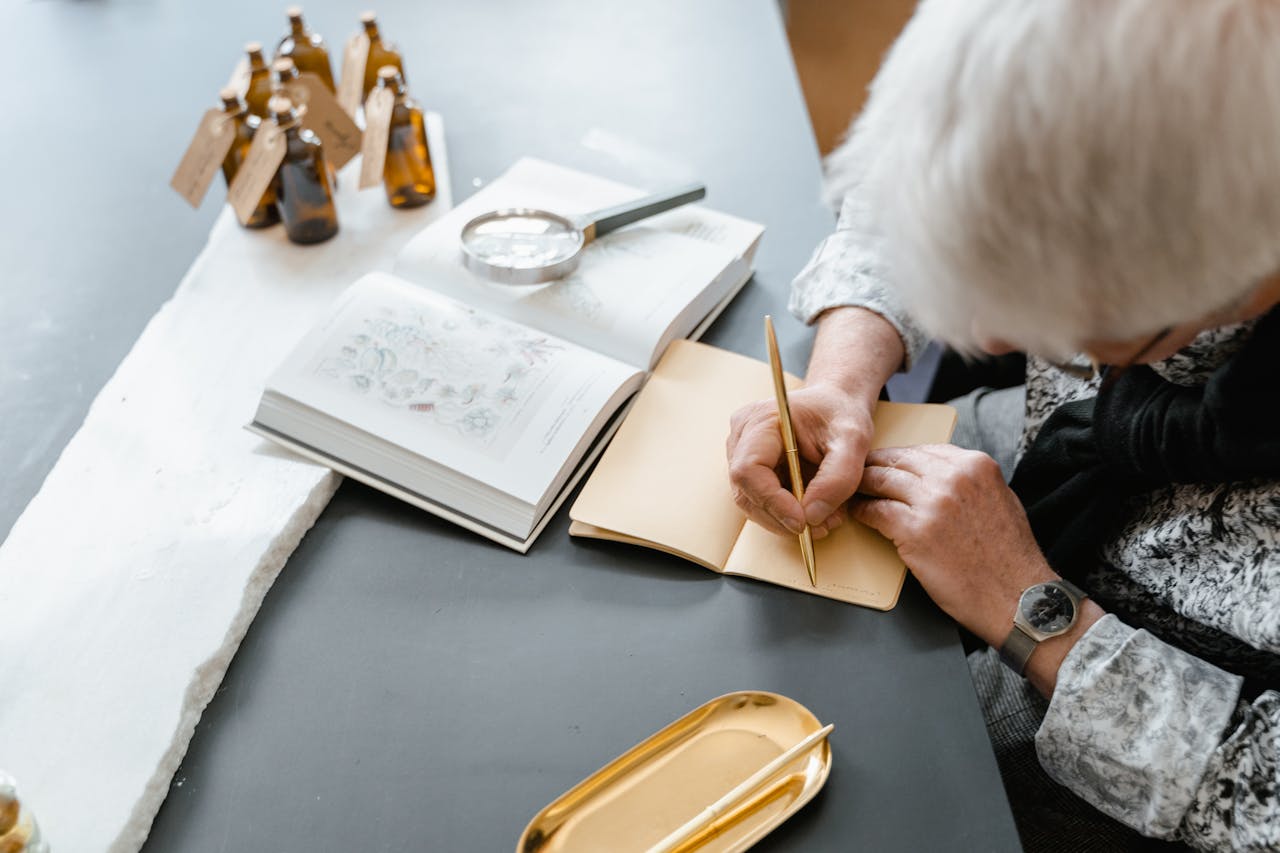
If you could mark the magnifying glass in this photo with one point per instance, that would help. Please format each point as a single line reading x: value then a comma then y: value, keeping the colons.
x: 524, y: 245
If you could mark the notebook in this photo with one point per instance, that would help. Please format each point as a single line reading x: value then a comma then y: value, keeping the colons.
x: 664, y: 482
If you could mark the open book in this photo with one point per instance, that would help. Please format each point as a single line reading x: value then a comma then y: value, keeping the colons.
x: 664, y: 482
x: 482, y: 403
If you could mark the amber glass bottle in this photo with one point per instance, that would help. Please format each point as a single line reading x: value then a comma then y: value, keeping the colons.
x: 380, y: 54
x: 302, y: 188
x: 407, y: 174
x: 246, y: 124
x: 259, y: 91
x: 306, y: 49
x: 283, y: 74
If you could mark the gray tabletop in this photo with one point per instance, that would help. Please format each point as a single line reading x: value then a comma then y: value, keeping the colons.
x: 406, y: 685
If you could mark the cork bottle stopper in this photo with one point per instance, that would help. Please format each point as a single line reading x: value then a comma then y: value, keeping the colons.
x: 285, y: 69
x: 282, y: 109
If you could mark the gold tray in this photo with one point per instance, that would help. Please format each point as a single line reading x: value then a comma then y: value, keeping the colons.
x: 652, y: 789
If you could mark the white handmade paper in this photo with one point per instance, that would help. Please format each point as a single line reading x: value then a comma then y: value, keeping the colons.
x: 130, y: 579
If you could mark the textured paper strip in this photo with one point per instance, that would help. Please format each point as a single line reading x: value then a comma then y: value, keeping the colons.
x: 130, y: 579
x: 259, y: 168
x: 351, y: 85
x: 203, y: 157
x: 377, y: 133
x: 325, y: 116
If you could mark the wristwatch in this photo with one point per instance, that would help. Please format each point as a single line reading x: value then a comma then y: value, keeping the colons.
x: 1045, y: 610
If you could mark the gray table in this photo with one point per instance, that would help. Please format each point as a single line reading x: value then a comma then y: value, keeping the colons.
x: 408, y: 686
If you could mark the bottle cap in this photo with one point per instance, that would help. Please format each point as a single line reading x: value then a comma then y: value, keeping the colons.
x: 368, y: 17
x: 285, y: 68
x: 254, y: 50
x: 282, y: 109
x: 230, y: 98
x: 294, y: 13
x: 388, y: 73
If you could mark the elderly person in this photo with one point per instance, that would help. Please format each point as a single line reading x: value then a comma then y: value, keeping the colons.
x: 1097, y: 184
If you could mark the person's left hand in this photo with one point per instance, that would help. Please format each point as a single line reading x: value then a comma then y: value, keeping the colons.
x: 958, y: 527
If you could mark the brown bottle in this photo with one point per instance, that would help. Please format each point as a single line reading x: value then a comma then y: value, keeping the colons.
x: 407, y: 174
x: 246, y: 125
x: 380, y: 54
x: 306, y: 49
x: 301, y: 184
x: 284, y: 76
x: 259, y: 91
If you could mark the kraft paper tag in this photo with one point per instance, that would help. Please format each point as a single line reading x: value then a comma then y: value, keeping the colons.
x: 239, y: 79
x: 351, y: 87
x: 377, y: 120
x: 214, y: 136
x: 326, y: 119
x: 259, y: 167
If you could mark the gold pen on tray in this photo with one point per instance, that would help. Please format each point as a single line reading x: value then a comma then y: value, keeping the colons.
x: 789, y: 445
x: 736, y: 797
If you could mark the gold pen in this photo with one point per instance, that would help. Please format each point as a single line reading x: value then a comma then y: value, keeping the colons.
x: 789, y: 445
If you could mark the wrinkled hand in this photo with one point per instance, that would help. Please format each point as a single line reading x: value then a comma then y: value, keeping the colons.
x: 958, y: 527
x: 833, y: 430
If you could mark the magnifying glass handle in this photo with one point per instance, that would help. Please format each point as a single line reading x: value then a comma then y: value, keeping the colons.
x: 612, y: 218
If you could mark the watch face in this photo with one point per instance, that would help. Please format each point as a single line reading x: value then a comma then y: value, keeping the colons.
x: 1047, y: 608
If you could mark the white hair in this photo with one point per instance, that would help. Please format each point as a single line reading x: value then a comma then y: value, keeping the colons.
x: 1058, y: 171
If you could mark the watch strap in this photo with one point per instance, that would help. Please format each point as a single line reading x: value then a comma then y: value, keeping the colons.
x: 1017, y: 648
x: 1076, y: 592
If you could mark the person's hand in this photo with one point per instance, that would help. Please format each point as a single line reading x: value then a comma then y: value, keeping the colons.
x: 833, y: 430
x: 964, y: 535
x: 958, y: 527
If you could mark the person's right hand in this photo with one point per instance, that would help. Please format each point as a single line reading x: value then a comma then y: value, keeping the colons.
x: 833, y: 431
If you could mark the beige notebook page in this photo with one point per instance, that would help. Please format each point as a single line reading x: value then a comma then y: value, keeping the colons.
x: 855, y: 563
x: 664, y: 480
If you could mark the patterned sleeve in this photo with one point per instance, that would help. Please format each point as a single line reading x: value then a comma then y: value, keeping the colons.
x: 846, y: 269
x: 1159, y: 740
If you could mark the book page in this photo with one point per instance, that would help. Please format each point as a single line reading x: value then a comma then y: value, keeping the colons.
x: 630, y: 286
x: 496, y: 401
x: 855, y: 563
x: 664, y: 479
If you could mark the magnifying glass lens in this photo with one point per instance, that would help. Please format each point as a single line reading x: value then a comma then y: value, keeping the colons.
x: 522, y: 241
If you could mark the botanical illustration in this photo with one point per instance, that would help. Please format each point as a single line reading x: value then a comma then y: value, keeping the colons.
x: 461, y: 371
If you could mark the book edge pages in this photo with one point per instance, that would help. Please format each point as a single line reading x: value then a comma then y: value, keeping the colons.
x: 509, y: 540
x: 718, y: 309
x: 884, y: 605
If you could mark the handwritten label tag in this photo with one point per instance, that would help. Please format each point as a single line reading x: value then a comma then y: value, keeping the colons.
x: 259, y: 167
x: 204, y: 156
x: 351, y: 87
x: 326, y: 118
x: 377, y: 130
x: 239, y: 79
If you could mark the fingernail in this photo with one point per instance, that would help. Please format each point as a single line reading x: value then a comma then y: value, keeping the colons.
x: 818, y: 512
x: 792, y: 525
